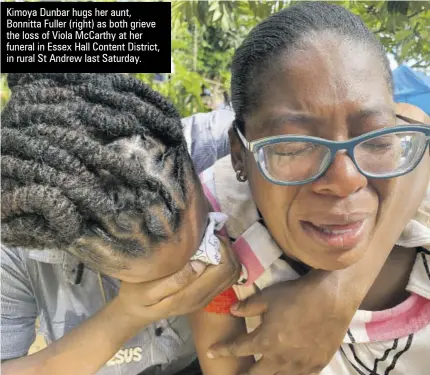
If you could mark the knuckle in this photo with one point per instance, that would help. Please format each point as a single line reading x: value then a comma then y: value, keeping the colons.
x: 181, y: 278
x: 267, y: 343
x: 232, y: 348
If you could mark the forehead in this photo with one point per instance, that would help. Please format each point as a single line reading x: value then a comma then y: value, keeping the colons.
x: 325, y: 75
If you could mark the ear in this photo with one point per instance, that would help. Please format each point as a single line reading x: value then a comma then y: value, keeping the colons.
x: 236, y: 150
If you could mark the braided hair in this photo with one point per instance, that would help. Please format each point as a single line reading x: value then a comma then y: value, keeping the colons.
x: 281, y: 33
x: 88, y: 157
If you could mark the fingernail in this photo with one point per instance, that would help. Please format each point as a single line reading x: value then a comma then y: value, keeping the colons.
x: 197, y: 266
x: 210, y: 355
x: 234, y: 307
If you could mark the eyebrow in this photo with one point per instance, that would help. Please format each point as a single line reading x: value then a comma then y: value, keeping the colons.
x: 371, y: 112
x: 311, y: 121
x: 299, y: 118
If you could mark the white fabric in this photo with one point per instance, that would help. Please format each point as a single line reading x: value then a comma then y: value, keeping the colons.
x: 209, y: 249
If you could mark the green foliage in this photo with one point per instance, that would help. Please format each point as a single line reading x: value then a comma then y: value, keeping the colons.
x: 205, y: 35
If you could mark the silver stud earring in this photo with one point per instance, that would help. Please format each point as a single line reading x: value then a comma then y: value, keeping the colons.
x: 239, y: 176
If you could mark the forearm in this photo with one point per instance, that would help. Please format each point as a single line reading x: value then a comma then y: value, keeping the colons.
x: 83, y: 350
x: 210, y: 328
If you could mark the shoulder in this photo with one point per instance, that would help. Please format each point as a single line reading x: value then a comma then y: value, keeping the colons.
x: 202, y: 129
x: 210, y: 121
x: 12, y: 258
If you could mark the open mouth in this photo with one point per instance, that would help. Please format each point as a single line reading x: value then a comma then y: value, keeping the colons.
x: 338, y: 237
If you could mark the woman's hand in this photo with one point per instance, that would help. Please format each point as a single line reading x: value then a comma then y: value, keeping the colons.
x: 184, y: 292
x: 303, y: 325
x: 305, y: 321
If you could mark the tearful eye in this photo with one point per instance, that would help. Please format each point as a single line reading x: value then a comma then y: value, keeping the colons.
x: 382, y: 143
x: 378, y: 146
x: 293, y: 149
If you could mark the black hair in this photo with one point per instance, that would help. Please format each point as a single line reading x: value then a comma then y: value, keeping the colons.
x: 91, y: 156
x: 282, y: 32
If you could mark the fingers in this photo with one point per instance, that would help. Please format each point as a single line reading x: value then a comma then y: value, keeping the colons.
x: 158, y: 290
x: 253, y: 306
x: 212, y: 282
x: 198, y: 295
x: 229, y: 258
x: 260, y: 368
x: 244, y: 345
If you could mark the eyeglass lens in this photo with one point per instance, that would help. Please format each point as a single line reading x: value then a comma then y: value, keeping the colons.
x: 384, y: 155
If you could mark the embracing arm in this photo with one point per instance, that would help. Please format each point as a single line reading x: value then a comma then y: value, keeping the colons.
x: 305, y: 320
x: 209, y: 328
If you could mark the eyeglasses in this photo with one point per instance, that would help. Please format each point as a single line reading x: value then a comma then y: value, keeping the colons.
x: 297, y: 160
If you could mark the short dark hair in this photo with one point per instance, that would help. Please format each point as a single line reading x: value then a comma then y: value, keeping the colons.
x: 282, y: 32
x: 91, y: 156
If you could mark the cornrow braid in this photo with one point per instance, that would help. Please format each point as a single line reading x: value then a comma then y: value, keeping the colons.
x: 98, y: 156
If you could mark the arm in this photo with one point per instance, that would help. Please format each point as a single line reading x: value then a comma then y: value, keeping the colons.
x: 209, y: 328
x: 207, y: 137
x: 88, y: 347
x: 305, y: 321
x: 83, y: 350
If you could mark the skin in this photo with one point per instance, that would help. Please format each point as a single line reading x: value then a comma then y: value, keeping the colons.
x: 321, y: 92
x: 153, y: 287
x: 412, y: 112
x: 330, y: 91
x: 86, y: 348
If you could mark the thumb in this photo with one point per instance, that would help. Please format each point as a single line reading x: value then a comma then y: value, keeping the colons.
x: 252, y: 306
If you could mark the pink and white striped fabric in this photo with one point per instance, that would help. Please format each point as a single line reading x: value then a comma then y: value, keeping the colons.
x: 394, y: 341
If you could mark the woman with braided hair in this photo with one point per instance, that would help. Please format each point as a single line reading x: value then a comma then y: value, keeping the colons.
x: 97, y: 188
x: 122, y: 204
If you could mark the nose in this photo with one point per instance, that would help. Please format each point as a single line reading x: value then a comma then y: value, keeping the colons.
x: 341, y: 179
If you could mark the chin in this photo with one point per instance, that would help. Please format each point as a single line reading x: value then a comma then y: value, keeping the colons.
x: 341, y: 261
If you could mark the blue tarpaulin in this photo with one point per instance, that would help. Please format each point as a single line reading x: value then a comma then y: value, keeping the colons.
x: 412, y: 87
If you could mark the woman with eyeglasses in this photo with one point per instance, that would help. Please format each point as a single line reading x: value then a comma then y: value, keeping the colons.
x: 320, y: 185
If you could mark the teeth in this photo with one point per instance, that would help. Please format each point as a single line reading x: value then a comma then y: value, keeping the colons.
x: 328, y: 231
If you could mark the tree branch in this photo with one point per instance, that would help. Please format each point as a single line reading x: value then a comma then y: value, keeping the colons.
x: 416, y: 13
x: 418, y: 64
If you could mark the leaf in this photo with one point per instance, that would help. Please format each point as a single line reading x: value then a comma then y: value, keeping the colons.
x: 216, y: 15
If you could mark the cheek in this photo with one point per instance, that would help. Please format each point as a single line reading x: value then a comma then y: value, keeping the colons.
x: 273, y: 201
x: 383, y: 189
x: 261, y: 189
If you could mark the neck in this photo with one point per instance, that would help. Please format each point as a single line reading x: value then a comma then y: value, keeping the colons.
x: 389, y: 289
